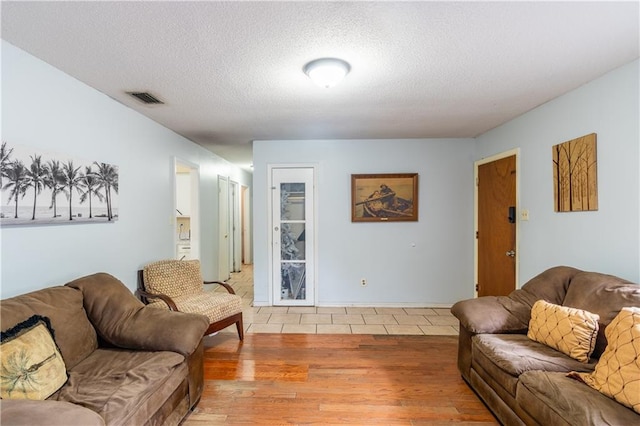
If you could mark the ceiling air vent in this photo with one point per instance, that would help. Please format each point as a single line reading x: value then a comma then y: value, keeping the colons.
x: 145, y: 98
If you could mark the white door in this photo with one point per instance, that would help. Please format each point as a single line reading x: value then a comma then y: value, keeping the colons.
x: 223, y: 228
x: 292, y: 232
x: 245, y: 211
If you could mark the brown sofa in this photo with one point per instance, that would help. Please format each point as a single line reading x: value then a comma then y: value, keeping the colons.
x: 126, y: 364
x: 525, y: 382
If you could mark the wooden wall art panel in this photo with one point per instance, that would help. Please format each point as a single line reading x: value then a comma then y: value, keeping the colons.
x: 575, y: 177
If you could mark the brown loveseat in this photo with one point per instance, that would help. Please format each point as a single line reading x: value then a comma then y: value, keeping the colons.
x: 525, y: 382
x: 126, y: 364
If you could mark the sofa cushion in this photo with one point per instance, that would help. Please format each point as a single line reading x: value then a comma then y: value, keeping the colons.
x: 617, y: 374
x: 515, y: 354
x: 554, y: 399
x: 24, y: 412
x: 124, y: 387
x: 603, y: 295
x: 572, y: 331
x: 74, y: 334
x: 504, y: 357
x: 31, y: 363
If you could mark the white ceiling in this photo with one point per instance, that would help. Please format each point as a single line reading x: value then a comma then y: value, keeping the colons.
x: 231, y: 72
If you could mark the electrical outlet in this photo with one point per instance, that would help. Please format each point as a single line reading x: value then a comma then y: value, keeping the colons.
x: 363, y: 282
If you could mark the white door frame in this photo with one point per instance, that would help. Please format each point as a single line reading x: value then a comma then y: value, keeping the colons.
x: 235, y: 227
x: 270, y: 168
x: 476, y: 164
x: 194, y: 215
x: 246, y: 223
x: 223, y: 228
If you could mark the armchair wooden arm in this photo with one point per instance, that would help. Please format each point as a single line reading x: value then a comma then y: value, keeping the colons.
x: 223, y: 284
x: 145, y: 297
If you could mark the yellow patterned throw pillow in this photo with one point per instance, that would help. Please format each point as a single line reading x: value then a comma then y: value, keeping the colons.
x: 31, y: 366
x: 571, y: 331
x: 617, y: 373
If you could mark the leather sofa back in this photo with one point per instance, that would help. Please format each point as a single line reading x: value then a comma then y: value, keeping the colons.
x: 74, y: 334
x: 601, y: 294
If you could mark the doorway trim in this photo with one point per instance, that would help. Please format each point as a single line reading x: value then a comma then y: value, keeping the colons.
x: 235, y: 226
x: 512, y: 152
x: 246, y: 210
x: 224, y: 246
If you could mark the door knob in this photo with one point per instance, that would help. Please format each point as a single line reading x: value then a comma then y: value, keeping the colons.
x: 511, y: 253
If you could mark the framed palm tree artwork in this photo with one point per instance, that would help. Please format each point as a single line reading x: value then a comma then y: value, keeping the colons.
x: 42, y: 189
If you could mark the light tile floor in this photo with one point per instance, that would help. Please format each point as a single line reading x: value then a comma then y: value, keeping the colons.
x: 336, y: 320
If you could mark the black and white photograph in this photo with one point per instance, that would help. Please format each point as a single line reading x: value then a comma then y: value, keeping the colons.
x: 40, y: 188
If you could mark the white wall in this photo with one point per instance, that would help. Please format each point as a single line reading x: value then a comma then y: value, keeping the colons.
x: 46, y: 109
x: 438, y: 270
x: 606, y: 240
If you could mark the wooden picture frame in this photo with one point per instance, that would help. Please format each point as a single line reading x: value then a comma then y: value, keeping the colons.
x: 391, y: 197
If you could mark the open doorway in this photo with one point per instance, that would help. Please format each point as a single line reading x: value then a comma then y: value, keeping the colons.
x: 234, y: 227
x: 186, y: 210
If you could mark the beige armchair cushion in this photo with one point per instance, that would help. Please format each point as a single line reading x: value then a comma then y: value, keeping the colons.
x: 216, y: 306
x: 173, y: 277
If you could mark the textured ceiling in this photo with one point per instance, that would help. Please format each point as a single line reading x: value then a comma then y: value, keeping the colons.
x: 231, y: 72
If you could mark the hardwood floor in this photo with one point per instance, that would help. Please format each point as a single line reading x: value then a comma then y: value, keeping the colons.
x: 335, y: 379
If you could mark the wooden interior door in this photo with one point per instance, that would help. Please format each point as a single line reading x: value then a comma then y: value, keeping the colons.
x: 496, y: 231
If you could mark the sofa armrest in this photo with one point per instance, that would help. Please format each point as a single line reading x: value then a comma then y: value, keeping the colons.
x: 490, y: 314
x: 511, y: 314
x: 25, y: 412
x: 123, y: 321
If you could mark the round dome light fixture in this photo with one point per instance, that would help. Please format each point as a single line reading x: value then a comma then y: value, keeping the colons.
x: 327, y: 72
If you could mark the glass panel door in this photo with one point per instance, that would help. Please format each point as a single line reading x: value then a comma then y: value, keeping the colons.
x: 292, y: 233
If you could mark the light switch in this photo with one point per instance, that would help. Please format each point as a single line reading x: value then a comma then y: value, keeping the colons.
x: 524, y: 214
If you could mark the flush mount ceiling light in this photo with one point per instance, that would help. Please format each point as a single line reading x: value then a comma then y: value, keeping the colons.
x: 327, y: 72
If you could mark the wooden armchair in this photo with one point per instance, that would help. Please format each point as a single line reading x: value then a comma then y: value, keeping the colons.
x: 178, y: 286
